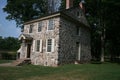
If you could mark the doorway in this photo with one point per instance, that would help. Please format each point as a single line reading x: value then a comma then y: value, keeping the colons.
x: 28, y: 50
x: 78, y: 48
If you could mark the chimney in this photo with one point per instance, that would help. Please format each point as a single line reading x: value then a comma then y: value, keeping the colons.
x: 69, y: 4
x: 82, y: 5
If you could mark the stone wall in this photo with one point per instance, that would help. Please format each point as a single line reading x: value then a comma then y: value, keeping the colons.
x: 44, y: 58
x: 68, y: 52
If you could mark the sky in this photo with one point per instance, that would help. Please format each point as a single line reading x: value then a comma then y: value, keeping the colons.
x: 7, y: 28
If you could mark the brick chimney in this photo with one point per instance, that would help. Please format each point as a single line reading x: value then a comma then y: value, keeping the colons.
x: 69, y: 4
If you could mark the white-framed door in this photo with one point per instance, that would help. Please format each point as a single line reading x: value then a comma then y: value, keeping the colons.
x: 78, y: 46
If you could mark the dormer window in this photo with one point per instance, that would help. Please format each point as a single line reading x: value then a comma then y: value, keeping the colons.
x: 51, y: 24
x: 31, y: 28
x: 40, y: 26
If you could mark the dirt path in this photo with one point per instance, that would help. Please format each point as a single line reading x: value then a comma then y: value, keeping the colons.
x: 7, y: 64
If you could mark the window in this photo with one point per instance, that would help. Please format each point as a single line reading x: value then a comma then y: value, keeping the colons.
x: 39, y: 26
x: 51, y: 24
x: 77, y: 30
x: 39, y: 45
x: 31, y: 28
x: 78, y: 13
x: 50, y: 45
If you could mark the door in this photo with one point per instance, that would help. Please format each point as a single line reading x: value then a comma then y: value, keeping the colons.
x: 28, y: 50
x: 78, y: 46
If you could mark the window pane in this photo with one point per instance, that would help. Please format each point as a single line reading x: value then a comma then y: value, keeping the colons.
x: 49, y: 45
x: 77, y: 30
x: 39, y: 26
x: 31, y: 28
x: 38, y: 45
x: 51, y: 24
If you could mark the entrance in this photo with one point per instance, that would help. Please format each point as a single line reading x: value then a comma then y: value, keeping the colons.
x: 28, y: 50
x: 78, y: 46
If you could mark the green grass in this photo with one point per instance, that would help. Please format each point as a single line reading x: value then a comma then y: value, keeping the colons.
x: 106, y: 71
x: 5, y: 61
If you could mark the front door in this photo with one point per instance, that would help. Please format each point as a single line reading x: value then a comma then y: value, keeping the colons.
x: 28, y: 50
x: 78, y: 46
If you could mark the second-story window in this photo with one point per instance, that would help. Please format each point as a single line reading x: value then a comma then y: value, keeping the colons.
x: 40, y: 26
x: 77, y: 30
x: 31, y: 28
x: 51, y: 24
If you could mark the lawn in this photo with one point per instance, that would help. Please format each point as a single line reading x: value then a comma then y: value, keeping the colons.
x: 5, y: 61
x: 105, y: 71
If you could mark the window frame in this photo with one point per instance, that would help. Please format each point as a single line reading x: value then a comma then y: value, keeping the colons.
x: 48, y: 26
x: 31, y: 28
x: 52, y: 45
x: 38, y: 47
x: 78, y: 31
x: 40, y: 26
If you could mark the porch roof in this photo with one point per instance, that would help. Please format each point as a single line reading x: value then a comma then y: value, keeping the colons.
x: 25, y: 37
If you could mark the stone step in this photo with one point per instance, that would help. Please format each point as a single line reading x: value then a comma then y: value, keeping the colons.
x: 20, y: 62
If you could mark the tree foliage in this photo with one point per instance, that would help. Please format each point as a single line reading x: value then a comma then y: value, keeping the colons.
x: 24, y: 10
x: 9, y: 43
x: 103, y: 16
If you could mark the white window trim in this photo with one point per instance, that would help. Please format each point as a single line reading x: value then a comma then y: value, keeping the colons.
x: 40, y: 46
x: 33, y: 45
x: 52, y: 46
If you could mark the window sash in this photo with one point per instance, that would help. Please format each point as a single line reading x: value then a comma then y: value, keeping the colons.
x: 31, y: 29
x: 51, y: 24
x: 38, y: 45
x: 77, y: 30
x: 50, y: 45
x: 40, y: 26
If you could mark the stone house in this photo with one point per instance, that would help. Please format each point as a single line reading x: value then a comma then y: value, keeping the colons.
x: 59, y: 38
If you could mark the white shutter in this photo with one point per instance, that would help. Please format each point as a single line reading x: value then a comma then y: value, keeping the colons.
x: 53, y: 45
x: 46, y: 45
x: 41, y: 45
x: 33, y: 45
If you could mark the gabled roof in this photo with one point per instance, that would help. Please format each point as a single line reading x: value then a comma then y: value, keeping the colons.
x: 25, y: 36
x: 59, y: 13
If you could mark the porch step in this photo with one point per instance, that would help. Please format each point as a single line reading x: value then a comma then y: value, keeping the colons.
x: 77, y: 62
x: 20, y: 62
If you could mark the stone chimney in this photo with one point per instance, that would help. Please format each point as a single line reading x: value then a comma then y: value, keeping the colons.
x: 69, y: 4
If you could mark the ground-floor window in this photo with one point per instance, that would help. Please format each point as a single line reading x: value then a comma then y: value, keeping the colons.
x: 50, y: 45
x: 38, y: 45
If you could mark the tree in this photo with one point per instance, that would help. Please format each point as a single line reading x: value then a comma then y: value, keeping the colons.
x: 24, y: 10
x: 9, y: 43
x: 103, y: 16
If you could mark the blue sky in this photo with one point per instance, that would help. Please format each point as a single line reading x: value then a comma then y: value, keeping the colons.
x: 7, y: 28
